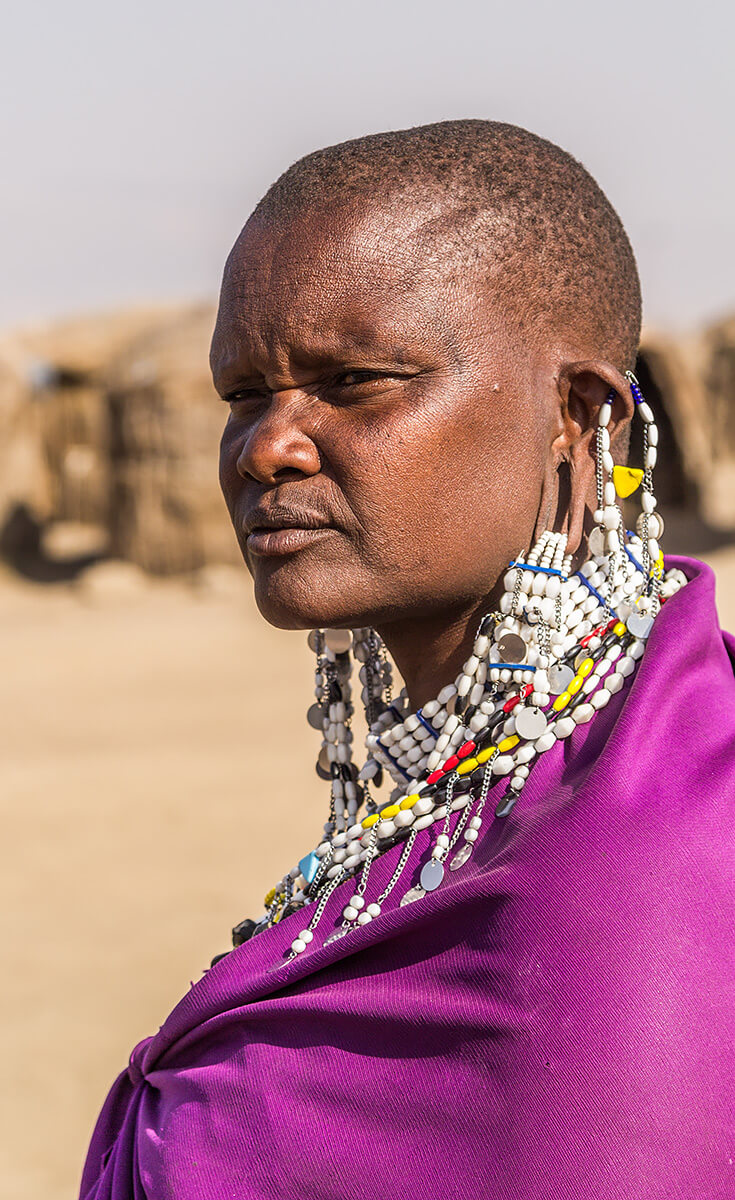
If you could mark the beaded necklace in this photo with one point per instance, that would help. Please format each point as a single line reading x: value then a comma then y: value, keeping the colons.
x: 560, y: 645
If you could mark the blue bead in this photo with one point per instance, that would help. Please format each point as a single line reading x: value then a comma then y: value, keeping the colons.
x: 308, y: 866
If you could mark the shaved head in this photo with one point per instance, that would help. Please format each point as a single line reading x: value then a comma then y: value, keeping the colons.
x: 499, y: 203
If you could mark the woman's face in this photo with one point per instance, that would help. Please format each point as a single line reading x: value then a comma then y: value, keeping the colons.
x: 384, y: 446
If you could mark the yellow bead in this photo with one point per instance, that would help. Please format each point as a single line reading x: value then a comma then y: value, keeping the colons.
x: 561, y: 701
x: 585, y: 667
x: 269, y: 897
x: 507, y: 743
x: 659, y: 567
x: 409, y: 801
x: 619, y: 629
x: 390, y: 811
x: 626, y: 480
x: 575, y: 685
x: 368, y: 822
x: 485, y: 754
x: 468, y: 765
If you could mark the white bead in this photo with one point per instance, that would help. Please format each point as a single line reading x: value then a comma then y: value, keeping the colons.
x: 650, y: 459
x: 424, y: 822
x: 357, y: 902
x: 364, y: 918
x: 373, y: 909
x: 583, y: 713
x: 635, y: 650
x: 607, y: 461
x: 653, y: 435
x: 446, y: 694
x: 545, y: 742
x: 610, y: 517
x: 525, y: 753
x: 306, y: 936
x: 430, y: 709
x: 600, y: 698
x: 471, y: 835
x: 604, y: 415
x: 403, y: 818
x: 653, y: 549
x: 648, y: 502
x: 563, y: 726
x: 553, y: 586
x: 645, y: 412
x: 478, y: 691
x: 613, y: 683
x: 474, y: 823
x: 610, y: 493
x: 443, y: 841
x: 386, y: 829
x: 603, y: 438
x: 464, y: 685
x: 437, y: 853
x: 626, y: 666
x: 298, y: 946
x: 423, y: 806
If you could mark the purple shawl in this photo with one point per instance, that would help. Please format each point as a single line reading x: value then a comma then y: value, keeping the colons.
x: 555, y: 1022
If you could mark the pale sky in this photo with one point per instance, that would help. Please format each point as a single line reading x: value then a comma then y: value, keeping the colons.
x: 137, y: 136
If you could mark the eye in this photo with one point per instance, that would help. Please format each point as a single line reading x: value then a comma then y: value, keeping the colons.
x: 355, y: 378
x: 246, y: 396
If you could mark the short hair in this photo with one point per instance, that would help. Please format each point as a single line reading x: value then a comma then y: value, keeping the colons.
x: 515, y: 202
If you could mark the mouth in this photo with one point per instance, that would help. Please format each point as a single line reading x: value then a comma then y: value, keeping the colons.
x: 268, y: 540
x: 283, y: 529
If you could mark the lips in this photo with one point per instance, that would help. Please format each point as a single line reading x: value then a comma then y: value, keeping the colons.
x: 280, y: 530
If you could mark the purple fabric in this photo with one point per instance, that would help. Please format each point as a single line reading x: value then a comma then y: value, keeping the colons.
x: 554, y: 1023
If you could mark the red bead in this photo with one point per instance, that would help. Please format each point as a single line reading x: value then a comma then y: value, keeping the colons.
x: 526, y: 691
x: 510, y: 704
x: 435, y: 775
x: 451, y: 763
x: 466, y: 749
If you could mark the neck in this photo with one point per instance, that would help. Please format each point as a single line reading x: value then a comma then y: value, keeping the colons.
x: 430, y: 652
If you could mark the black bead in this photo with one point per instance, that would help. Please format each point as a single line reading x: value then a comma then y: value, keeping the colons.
x: 334, y: 770
x: 345, y: 770
x: 487, y: 624
x: 243, y: 932
x: 335, y: 692
x: 377, y: 778
x: 472, y: 709
x: 460, y: 705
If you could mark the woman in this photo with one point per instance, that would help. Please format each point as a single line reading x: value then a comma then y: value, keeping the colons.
x: 507, y: 971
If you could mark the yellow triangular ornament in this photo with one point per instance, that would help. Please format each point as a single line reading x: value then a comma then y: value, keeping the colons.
x: 626, y: 480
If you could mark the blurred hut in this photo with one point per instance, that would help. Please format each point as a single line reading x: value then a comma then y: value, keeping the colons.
x: 165, y: 421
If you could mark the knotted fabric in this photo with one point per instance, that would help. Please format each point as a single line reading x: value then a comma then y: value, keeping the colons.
x: 555, y: 1021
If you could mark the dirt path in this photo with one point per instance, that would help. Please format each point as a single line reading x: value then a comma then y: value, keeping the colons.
x: 147, y: 734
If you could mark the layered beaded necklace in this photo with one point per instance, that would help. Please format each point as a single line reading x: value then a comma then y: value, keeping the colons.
x: 561, y: 643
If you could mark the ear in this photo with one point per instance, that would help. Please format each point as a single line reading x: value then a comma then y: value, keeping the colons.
x: 568, y: 494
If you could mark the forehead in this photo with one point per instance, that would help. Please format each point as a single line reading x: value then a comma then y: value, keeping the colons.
x: 325, y: 283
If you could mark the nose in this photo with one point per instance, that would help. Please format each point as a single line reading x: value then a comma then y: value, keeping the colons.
x: 277, y: 447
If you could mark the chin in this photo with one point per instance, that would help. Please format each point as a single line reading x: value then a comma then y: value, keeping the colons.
x: 290, y: 598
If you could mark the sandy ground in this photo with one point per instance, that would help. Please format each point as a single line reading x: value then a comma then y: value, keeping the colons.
x: 150, y: 735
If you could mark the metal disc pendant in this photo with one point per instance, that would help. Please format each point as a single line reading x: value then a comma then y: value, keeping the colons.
x: 314, y: 640
x: 560, y: 676
x: 315, y: 716
x: 461, y: 857
x: 531, y: 722
x: 655, y: 525
x: 640, y: 624
x: 432, y: 874
x: 322, y: 764
x: 334, y: 937
x: 338, y: 640
x: 596, y: 542
x: 414, y: 894
x: 512, y: 648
